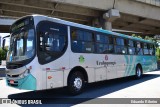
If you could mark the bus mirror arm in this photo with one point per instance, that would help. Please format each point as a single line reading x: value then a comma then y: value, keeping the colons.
x: 4, y: 41
x: 3, y: 44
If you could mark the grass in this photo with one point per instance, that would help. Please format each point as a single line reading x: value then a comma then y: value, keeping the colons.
x: 158, y: 54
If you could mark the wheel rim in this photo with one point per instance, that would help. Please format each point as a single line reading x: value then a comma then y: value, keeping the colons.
x: 138, y: 72
x: 78, y: 83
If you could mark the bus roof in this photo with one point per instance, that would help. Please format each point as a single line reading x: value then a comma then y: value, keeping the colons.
x: 89, y: 28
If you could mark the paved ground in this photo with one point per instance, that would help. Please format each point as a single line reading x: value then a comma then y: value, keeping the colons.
x: 147, y: 87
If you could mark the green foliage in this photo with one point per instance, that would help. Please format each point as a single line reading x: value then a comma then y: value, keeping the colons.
x: 137, y: 36
x: 153, y: 40
x: 158, y: 53
x: 3, y: 54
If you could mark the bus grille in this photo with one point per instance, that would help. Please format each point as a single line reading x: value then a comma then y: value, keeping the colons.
x: 12, y: 75
x: 15, y: 84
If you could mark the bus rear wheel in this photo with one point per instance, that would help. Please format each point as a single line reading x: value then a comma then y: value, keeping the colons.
x: 138, y: 72
x: 76, y: 83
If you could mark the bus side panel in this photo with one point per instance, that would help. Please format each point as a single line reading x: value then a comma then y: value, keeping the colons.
x: 86, y: 61
x: 149, y: 63
x: 130, y: 62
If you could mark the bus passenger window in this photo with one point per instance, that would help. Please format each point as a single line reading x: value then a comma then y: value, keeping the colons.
x: 131, y: 47
x: 111, y: 49
x: 82, y: 41
x: 139, y: 48
x: 152, y: 49
x: 145, y: 49
x: 120, y: 47
x: 102, y: 43
x: 111, y: 45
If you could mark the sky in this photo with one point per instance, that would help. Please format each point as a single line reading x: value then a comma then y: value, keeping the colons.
x: 5, y: 34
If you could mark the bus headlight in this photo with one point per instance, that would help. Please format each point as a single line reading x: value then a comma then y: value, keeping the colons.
x: 26, y: 72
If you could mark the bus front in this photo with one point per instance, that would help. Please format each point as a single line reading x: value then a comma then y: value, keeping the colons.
x: 21, y: 55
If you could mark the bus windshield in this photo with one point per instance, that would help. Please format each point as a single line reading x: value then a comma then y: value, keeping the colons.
x: 21, y: 45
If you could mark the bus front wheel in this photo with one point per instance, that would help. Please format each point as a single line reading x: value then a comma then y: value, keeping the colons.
x: 76, y: 83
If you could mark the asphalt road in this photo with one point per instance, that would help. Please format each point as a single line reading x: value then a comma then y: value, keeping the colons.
x: 146, y: 87
x: 2, y: 71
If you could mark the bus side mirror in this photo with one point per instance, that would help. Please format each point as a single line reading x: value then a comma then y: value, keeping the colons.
x: 3, y: 44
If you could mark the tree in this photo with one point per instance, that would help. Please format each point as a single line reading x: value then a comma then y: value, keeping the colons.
x: 3, y: 54
x: 137, y: 36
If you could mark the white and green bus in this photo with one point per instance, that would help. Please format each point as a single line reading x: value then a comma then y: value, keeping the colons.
x: 48, y: 53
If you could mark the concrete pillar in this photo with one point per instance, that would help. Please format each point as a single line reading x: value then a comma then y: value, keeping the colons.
x: 109, y: 17
x: 107, y: 25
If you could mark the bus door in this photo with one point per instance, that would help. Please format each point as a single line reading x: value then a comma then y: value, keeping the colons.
x: 105, y: 68
x: 111, y: 67
x: 121, y: 66
x: 100, y: 71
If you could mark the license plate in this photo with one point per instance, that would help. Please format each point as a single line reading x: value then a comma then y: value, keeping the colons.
x: 11, y: 81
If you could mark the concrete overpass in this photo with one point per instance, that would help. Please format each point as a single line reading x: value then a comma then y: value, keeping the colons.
x: 135, y: 15
x: 5, y: 23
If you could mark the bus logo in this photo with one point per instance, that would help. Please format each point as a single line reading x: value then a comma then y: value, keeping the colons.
x: 106, y: 57
x: 81, y: 59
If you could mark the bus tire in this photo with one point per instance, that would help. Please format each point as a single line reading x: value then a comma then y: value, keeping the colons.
x: 138, y: 72
x: 76, y: 83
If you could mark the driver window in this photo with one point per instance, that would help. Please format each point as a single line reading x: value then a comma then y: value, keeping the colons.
x: 54, y: 42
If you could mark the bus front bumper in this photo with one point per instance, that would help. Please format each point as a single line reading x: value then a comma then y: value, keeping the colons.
x: 28, y: 82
